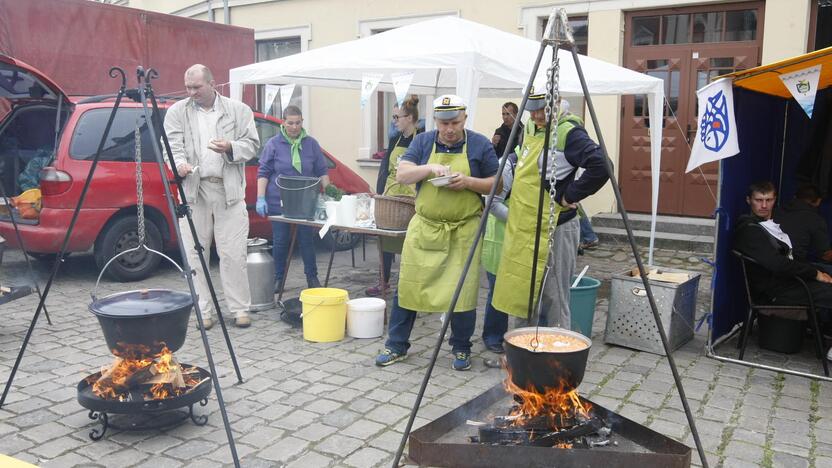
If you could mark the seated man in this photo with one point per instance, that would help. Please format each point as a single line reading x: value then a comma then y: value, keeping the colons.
x: 760, y: 238
x: 806, y: 227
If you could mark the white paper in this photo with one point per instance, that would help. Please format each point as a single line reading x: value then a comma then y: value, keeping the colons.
x: 369, y: 81
x: 716, y: 134
x: 286, y: 92
x: 803, y: 85
x: 271, y: 93
x: 325, y: 228
x: 401, y: 84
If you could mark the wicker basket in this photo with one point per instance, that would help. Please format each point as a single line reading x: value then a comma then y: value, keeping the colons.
x: 394, y: 213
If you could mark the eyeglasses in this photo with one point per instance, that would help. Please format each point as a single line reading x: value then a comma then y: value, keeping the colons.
x: 397, y: 117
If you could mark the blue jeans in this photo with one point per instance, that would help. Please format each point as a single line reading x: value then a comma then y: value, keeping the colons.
x: 496, y: 322
x: 401, y: 324
x: 305, y: 238
x: 587, y: 234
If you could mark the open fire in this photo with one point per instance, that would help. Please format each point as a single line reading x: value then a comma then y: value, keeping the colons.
x: 137, y: 375
x: 557, y: 417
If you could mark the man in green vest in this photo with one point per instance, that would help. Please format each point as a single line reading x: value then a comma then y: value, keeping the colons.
x: 571, y: 148
x: 452, y: 168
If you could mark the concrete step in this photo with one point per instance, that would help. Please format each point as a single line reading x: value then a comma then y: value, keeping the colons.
x: 664, y: 240
x: 668, y: 224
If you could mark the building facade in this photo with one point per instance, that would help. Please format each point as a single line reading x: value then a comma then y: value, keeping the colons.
x: 686, y: 43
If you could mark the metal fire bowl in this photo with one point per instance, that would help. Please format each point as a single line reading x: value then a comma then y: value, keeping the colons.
x: 445, y: 442
x: 93, y: 402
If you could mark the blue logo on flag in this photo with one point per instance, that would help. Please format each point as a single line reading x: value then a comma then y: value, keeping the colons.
x: 714, y: 129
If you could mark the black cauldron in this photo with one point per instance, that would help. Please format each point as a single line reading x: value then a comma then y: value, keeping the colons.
x: 138, y: 324
x: 541, y: 370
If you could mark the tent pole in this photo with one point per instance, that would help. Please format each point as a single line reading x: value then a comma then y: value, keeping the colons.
x: 644, y: 279
x: 783, y: 150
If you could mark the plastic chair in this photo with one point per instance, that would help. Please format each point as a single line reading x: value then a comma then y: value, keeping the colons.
x: 754, y: 307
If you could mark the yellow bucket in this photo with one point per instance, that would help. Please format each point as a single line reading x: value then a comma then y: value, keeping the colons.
x: 324, y: 314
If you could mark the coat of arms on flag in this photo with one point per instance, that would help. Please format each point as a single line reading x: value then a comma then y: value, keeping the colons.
x: 717, y: 135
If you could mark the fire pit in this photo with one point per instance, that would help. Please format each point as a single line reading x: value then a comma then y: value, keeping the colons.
x: 486, y: 432
x: 146, y: 392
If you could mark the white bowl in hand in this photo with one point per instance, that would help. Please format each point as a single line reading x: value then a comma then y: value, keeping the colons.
x: 441, y: 181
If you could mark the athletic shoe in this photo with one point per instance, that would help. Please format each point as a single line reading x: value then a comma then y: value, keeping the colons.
x: 208, y: 322
x: 462, y: 361
x: 312, y: 282
x: 375, y: 291
x: 388, y: 356
x: 243, y: 321
x: 588, y: 245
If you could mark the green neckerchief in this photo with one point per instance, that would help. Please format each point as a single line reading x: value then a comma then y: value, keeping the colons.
x: 296, y: 146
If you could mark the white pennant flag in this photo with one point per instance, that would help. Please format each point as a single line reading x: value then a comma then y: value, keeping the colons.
x: 286, y: 92
x: 803, y: 85
x: 271, y: 93
x: 716, y: 135
x: 401, y: 83
x: 369, y: 81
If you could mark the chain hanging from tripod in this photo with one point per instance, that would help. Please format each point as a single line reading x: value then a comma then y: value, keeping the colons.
x: 552, y: 113
x: 139, y: 185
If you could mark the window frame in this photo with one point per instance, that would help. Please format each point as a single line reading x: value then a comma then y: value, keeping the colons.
x: 304, y: 32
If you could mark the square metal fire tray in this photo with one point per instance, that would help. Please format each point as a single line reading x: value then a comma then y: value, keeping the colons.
x: 445, y: 442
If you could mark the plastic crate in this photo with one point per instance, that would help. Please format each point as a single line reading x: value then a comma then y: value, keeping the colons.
x: 630, y: 321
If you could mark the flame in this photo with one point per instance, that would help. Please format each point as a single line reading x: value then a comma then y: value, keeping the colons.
x: 557, y: 406
x: 114, y: 381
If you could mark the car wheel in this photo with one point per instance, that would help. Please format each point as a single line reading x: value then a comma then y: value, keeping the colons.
x: 120, y: 235
x: 343, y: 240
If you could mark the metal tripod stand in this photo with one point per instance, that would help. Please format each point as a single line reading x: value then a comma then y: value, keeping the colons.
x: 557, y: 33
x: 145, y: 91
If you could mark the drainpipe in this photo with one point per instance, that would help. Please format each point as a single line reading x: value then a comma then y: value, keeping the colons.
x: 210, y: 11
x: 225, y: 12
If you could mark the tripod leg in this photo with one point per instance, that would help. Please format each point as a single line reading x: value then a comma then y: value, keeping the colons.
x: 17, y: 234
x: 144, y: 91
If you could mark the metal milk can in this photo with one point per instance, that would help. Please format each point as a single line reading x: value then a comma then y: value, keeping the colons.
x: 260, y: 266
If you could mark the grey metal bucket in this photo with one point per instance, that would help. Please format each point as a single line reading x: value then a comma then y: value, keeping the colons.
x: 298, y: 196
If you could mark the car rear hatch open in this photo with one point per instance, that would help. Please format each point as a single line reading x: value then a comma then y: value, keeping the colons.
x: 32, y: 111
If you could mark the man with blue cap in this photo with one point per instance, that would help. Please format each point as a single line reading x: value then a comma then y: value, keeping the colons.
x: 452, y: 168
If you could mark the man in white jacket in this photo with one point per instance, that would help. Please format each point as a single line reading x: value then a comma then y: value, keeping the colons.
x: 211, y: 138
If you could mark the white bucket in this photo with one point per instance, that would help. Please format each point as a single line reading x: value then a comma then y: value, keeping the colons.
x: 365, y: 317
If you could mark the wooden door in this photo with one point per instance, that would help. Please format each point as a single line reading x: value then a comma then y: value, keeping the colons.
x: 685, y: 47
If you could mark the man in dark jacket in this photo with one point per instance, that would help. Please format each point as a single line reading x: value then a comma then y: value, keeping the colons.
x: 805, y: 226
x: 758, y: 237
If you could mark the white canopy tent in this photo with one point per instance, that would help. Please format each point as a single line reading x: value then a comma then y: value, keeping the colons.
x: 454, y: 56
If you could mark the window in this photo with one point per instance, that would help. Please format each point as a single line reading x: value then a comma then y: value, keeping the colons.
x: 120, y: 144
x: 277, y: 48
x: 707, y: 27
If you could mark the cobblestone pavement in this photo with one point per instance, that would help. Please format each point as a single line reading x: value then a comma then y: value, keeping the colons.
x: 316, y: 405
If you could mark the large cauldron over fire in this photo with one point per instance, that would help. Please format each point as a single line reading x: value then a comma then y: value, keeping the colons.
x: 140, y: 324
x: 541, y: 358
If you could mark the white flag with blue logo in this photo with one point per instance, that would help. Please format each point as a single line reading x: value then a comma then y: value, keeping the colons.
x: 803, y: 85
x: 716, y: 131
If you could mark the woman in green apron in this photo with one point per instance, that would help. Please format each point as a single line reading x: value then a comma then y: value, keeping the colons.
x: 440, y: 234
x: 406, y: 118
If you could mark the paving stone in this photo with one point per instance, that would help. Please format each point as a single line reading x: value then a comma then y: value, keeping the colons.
x: 786, y: 460
x: 315, y: 432
x: 744, y: 451
x: 310, y: 460
x: 191, y: 449
x: 45, y: 432
x: 64, y: 461
x: 283, y: 450
x: 54, y: 448
x: 339, y: 445
x: 363, y: 429
x: 365, y: 457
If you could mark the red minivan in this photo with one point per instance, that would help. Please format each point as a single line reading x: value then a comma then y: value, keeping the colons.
x: 36, y: 118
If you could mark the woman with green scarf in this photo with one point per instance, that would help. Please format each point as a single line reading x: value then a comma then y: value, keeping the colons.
x: 290, y: 153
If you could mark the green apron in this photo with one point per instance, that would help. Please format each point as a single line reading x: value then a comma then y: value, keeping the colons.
x: 492, y: 243
x: 511, y: 291
x: 437, y: 243
x: 393, y: 188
